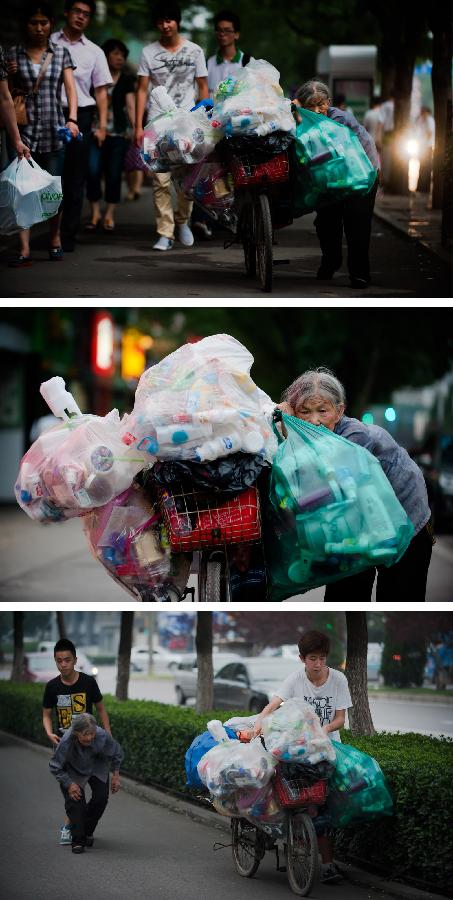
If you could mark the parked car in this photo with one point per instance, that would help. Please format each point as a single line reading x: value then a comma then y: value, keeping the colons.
x: 374, y: 657
x: 187, y: 673
x: 41, y: 666
x: 246, y: 683
x: 435, y: 459
x: 163, y: 660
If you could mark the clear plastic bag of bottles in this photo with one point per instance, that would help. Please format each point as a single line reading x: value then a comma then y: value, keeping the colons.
x: 329, y: 163
x: 357, y: 789
x: 332, y: 512
x: 174, y: 136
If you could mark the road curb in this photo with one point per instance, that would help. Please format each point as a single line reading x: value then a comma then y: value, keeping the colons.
x: 214, y: 820
x: 446, y: 698
x: 439, y: 253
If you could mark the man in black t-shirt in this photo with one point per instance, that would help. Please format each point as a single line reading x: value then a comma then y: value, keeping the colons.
x: 69, y: 694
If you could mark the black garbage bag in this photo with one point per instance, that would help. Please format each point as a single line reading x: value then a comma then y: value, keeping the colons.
x: 310, y: 774
x: 229, y: 475
x: 252, y: 145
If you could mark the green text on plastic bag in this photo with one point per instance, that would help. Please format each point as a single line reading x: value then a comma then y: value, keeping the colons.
x: 332, y: 511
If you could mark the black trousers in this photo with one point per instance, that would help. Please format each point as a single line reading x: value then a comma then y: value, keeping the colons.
x: 74, y: 175
x: 404, y: 582
x: 85, y: 816
x: 354, y: 216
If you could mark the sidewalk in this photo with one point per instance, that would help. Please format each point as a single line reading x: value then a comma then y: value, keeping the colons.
x: 200, y: 812
x: 411, y: 215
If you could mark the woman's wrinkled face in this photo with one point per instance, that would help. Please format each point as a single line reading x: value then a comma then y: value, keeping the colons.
x: 318, y: 105
x: 86, y: 738
x: 319, y: 411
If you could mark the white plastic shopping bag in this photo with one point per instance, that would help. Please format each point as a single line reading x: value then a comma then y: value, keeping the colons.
x: 28, y: 195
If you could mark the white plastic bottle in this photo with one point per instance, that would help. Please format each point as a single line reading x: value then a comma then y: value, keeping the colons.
x: 218, y: 447
x: 58, y: 399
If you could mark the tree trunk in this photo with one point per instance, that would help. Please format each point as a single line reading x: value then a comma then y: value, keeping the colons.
x: 203, y: 643
x: 17, y: 671
x: 440, y: 24
x: 61, y: 625
x: 360, y: 720
x: 124, y: 655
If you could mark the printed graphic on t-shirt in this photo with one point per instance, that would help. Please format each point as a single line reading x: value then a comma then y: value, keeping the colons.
x: 323, y: 708
x: 69, y: 706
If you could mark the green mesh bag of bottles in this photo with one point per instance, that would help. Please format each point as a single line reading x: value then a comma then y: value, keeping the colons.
x: 332, y: 511
x: 357, y: 788
x: 328, y: 163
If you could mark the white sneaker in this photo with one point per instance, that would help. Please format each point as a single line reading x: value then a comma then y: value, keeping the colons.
x: 163, y: 243
x: 185, y: 235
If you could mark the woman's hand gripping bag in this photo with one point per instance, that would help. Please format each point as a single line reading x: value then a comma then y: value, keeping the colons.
x: 357, y: 790
x: 28, y: 195
x: 332, y: 511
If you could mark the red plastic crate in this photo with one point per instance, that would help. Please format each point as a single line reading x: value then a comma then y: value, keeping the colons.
x: 196, y: 521
x: 295, y: 792
x: 247, y: 171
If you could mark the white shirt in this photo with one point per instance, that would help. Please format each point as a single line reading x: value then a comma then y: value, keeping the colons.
x: 326, y: 699
x: 373, y: 124
x: 92, y: 68
x: 219, y: 69
x: 176, y: 71
x: 387, y: 113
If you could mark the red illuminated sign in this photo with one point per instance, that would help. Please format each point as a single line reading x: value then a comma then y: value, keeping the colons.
x: 103, y: 345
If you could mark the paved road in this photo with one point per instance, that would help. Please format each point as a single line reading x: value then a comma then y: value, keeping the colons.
x: 142, y: 850
x: 53, y: 563
x: 122, y: 264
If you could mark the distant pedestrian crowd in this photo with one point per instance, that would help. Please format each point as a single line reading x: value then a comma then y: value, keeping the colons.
x: 80, y: 113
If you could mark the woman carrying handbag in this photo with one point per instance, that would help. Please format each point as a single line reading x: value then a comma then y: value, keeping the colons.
x: 37, y: 70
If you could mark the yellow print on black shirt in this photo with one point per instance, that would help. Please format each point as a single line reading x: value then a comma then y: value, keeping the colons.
x: 69, y: 705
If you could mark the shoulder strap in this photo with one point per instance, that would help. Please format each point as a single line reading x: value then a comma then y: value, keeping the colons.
x: 42, y: 72
x: 246, y: 57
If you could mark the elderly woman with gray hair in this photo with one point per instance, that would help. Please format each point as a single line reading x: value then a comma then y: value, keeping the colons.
x: 318, y: 397
x: 354, y: 214
x: 85, y: 755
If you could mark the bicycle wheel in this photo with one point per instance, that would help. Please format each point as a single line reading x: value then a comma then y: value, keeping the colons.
x: 248, y: 236
x: 264, y: 242
x: 247, y: 847
x: 213, y: 577
x: 301, y: 853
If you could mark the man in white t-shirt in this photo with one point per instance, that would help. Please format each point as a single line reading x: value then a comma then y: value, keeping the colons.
x: 327, y: 691
x: 229, y: 59
x: 180, y: 65
x: 92, y: 78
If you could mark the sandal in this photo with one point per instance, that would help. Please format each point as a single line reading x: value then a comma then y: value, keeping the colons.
x: 20, y: 262
x: 56, y: 254
x: 93, y: 226
x: 78, y: 848
x: 108, y: 226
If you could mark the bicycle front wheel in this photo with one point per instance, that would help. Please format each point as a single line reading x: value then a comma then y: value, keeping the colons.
x: 248, y: 235
x: 301, y: 853
x: 214, y: 577
x: 247, y: 846
x: 264, y: 234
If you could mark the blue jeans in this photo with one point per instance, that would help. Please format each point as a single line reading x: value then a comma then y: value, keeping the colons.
x: 108, y: 161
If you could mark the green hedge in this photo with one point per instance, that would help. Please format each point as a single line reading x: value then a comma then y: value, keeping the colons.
x: 415, y: 845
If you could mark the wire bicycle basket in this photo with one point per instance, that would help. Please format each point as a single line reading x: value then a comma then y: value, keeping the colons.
x: 196, y: 520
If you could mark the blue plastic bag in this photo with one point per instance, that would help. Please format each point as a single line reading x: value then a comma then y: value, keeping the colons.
x: 333, y: 511
x: 357, y: 789
x: 199, y: 746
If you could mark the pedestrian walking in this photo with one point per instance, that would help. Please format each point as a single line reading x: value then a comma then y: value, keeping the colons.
x: 425, y: 131
x: 106, y: 160
x: 179, y: 65
x: 373, y: 122
x: 318, y: 397
x: 38, y: 69
x: 85, y: 755
x: 67, y: 696
x: 8, y: 118
x: 327, y: 691
x: 352, y: 215
x: 228, y: 60
x: 92, y: 78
